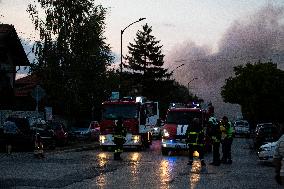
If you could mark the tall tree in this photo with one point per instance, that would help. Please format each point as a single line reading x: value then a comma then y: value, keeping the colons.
x: 145, y: 58
x: 72, y: 54
x: 259, y: 89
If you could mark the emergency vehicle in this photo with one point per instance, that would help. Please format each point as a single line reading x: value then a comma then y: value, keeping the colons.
x: 178, y: 119
x: 139, y: 116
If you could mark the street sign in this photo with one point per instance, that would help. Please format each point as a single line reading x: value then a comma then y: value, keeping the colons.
x: 38, y: 93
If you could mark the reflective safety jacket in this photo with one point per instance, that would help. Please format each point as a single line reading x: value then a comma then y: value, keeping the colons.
x: 195, y: 138
x: 195, y: 135
x: 119, y: 133
x: 227, y: 130
x: 214, y: 130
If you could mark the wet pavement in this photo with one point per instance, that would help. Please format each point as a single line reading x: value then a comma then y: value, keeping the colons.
x: 91, y: 168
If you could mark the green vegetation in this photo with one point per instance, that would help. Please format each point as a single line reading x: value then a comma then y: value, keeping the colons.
x: 259, y: 89
x: 72, y: 59
x: 145, y: 70
x: 72, y: 55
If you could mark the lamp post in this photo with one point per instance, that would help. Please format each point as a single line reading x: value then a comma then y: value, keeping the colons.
x: 121, y: 33
x: 176, y: 68
x: 190, y: 82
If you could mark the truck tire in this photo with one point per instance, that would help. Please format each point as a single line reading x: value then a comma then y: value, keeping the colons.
x: 165, y: 151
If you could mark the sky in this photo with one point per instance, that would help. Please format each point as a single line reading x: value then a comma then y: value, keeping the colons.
x: 206, y: 35
x: 173, y: 21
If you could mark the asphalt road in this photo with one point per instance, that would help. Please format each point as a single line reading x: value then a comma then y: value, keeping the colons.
x: 146, y: 169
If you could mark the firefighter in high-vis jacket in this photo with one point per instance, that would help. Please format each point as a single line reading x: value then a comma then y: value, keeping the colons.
x: 226, y: 139
x: 119, y: 138
x: 195, y: 141
x: 215, y: 134
x: 38, y: 151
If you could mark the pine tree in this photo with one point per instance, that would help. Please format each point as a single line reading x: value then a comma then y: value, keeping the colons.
x: 145, y: 57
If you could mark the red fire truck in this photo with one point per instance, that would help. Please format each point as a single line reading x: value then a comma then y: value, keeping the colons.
x: 139, y: 116
x: 176, y: 123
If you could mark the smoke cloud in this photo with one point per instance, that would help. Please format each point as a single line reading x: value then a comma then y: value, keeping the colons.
x: 256, y: 37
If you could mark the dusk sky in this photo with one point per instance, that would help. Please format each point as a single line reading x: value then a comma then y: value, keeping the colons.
x: 173, y: 21
x: 211, y: 36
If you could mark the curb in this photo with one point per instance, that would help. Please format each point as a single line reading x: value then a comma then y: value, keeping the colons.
x: 77, y: 148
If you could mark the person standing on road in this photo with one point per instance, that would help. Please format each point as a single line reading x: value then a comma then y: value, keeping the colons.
x: 119, y: 138
x: 215, y: 133
x: 38, y: 151
x: 195, y: 141
x: 226, y: 139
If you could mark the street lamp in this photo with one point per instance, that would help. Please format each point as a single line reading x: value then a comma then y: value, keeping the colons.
x: 121, y: 33
x: 190, y: 82
x: 176, y: 68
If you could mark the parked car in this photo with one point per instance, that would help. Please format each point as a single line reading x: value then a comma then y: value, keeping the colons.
x: 265, y: 152
x: 60, y: 133
x: 265, y: 133
x: 259, y: 125
x: 80, y: 131
x: 241, y: 128
x: 23, y: 138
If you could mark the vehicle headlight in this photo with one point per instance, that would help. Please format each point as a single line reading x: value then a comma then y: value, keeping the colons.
x: 102, y: 139
x: 166, y: 133
x: 136, y: 138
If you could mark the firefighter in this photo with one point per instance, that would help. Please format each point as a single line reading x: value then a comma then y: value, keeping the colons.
x: 195, y: 141
x: 119, y: 138
x: 38, y: 151
x: 226, y: 139
x: 215, y: 135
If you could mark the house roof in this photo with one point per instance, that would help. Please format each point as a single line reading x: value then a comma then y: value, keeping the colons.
x: 25, y: 85
x: 10, y: 41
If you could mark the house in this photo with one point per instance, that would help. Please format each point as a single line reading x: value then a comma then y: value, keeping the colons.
x: 12, y: 55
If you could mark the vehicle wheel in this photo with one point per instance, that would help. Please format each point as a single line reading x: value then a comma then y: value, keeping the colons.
x: 165, y: 151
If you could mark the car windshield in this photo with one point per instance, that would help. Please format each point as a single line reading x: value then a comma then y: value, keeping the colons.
x: 114, y: 111
x: 182, y: 117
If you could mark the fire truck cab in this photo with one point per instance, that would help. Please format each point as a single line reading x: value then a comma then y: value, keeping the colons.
x: 176, y: 123
x: 139, y: 116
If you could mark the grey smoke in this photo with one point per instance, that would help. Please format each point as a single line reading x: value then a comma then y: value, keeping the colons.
x: 256, y: 37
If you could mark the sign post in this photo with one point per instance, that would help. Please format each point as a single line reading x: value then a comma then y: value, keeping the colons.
x: 37, y: 93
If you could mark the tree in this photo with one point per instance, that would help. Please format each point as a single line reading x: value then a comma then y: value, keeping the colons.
x: 145, y: 59
x: 146, y: 74
x: 259, y: 89
x: 72, y: 55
